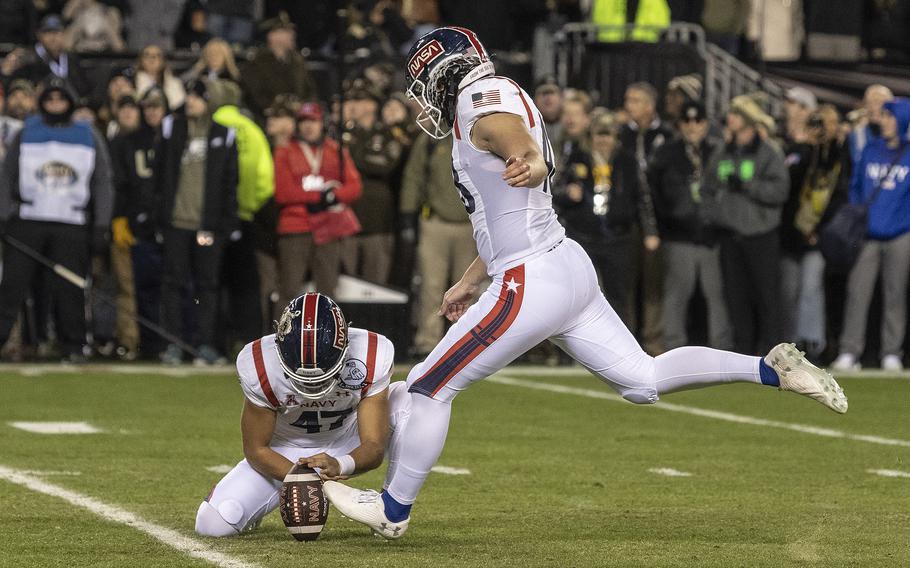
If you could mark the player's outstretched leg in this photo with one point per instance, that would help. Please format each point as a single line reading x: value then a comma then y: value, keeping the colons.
x: 605, y: 346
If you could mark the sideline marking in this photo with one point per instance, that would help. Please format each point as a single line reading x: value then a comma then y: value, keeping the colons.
x: 717, y: 415
x: 42, y: 472
x: 450, y: 470
x: 56, y: 427
x: 669, y: 472
x: 889, y: 473
x: 170, y: 537
x: 221, y: 468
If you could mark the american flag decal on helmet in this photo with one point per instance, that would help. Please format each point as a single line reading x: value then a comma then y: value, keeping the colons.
x: 486, y: 98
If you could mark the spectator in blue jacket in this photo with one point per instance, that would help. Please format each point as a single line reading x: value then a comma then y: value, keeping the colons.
x: 885, y: 162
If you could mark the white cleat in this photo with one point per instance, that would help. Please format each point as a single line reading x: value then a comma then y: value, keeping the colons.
x: 364, y: 507
x: 798, y: 375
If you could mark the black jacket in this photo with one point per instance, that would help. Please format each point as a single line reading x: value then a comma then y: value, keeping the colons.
x: 135, y: 197
x: 36, y: 70
x: 219, y: 210
x: 676, y: 190
x: 625, y: 204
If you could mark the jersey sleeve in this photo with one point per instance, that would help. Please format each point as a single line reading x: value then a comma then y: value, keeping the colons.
x: 491, y: 96
x: 250, y: 383
x: 380, y: 361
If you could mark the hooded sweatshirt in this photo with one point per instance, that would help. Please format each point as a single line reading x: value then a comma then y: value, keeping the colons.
x: 889, y: 213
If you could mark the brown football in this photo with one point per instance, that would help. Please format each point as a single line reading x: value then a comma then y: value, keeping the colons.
x: 303, y: 506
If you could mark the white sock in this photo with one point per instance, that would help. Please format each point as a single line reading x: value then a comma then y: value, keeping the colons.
x: 695, y: 367
x: 421, y: 442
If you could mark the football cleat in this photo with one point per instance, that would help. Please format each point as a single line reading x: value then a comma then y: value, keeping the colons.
x: 364, y: 507
x: 798, y: 375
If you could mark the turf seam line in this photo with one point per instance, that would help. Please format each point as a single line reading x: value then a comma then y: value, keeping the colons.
x: 717, y: 415
x: 170, y: 537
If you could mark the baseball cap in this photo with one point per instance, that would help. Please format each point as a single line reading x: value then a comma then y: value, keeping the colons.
x: 51, y: 23
x: 21, y: 85
x: 802, y: 96
x: 546, y: 86
x: 312, y: 111
x: 690, y: 85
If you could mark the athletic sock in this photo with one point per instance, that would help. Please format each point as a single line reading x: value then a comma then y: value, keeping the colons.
x: 768, y: 375
x: 395, y: 511
x: 421, y: 443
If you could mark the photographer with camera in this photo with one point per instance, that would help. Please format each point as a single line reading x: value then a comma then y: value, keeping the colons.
x: 817, y: 187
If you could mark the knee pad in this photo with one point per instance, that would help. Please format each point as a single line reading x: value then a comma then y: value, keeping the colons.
x: 218, y: 522
x: 640, y: 395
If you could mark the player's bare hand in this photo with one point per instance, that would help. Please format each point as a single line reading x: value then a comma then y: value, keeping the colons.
x: 518, y: 172
x: 457, y: 300
x: 328, y: 467
x: 652, y: 243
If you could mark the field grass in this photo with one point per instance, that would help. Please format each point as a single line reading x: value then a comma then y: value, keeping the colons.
x: 557, y: 479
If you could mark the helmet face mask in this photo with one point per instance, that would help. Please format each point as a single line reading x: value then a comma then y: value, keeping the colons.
x: 439, y: 64
x: 311, y: 338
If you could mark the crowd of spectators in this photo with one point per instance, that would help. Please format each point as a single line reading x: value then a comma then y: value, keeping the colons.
x: 205, y: 198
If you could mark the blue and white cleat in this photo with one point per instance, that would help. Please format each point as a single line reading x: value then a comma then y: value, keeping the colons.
x: 798, y: 375
x: 364, y: 507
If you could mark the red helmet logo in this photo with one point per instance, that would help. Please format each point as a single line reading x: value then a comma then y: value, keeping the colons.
x: 427, y: 53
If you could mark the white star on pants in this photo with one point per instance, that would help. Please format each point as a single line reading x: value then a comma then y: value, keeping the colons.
x: 512, y: 285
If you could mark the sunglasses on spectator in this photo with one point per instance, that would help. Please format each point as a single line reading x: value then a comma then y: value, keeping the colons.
x: 691, y: 119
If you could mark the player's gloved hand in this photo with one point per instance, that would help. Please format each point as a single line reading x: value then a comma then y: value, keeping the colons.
x: 735, y: 184
x: 518, y: 172
x: 457, y: 300
x: 123, y: 236
x: 326, y: 200
x: 328, y: 467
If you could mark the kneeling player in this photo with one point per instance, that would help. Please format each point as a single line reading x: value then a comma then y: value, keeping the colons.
x: 316, y: 392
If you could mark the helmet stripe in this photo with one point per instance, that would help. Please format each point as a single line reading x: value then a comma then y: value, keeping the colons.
x: 472, y: 37
x: 308, y: 331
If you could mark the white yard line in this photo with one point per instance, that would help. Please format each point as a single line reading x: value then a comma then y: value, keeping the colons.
x: 890, y: 473
x: 717, y: 415
x: 56, y: 427
x: 222, y: 468
x: 450, y: 470
x: 42, y: 473
x: 188, y: 545
x: 669, y: 472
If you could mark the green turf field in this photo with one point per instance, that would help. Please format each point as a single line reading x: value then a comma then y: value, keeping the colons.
x: 558, y: 478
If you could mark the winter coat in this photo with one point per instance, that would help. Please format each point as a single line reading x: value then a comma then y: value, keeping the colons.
x: 256, y: 171
x: 291, y: 167
x: 219, y: 210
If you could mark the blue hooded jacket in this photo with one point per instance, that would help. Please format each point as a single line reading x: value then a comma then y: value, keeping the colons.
x: 889, y: 214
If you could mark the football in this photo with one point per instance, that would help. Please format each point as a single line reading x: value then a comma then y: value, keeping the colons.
x: 304, y: 508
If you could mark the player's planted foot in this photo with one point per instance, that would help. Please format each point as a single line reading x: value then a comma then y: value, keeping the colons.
x: 798, y: 375
x: 365, y: 507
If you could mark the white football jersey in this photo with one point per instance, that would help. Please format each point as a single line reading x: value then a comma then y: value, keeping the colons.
x: 511, y: 224
x: 309, y: 423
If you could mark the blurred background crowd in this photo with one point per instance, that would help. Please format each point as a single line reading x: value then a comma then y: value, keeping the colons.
x: 202, y: 161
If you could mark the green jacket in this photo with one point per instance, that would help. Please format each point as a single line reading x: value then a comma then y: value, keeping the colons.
x: 427, y: 186
x: 651, y: 17
x: 256, y: 172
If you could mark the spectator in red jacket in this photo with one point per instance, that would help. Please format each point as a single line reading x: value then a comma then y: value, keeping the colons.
x: 309, y: 180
